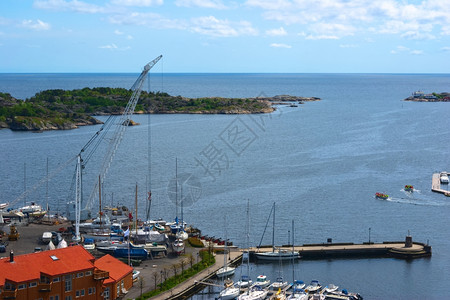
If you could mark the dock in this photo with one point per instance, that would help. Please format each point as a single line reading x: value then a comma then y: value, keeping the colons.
x: 436, y: 185
x: 402, y: 249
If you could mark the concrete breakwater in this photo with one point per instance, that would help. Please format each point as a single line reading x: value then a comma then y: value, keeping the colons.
x: 402, y: 249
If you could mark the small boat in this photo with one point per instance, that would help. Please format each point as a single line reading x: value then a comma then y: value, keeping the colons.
x: 278, y: 284
x: 409, y: 188
x: 330, y: 288
x: 444, y: 177
x: 298, y: 284
x: 277, y: 255
x: 136, y: 275
x: 178, y: 246
x: 381, y: 196
x: 279, y: 295
x: 245, y: 282
x: 343, y: 295
x: 46, y: 237
x: 229, y: 292
x: 254, y: 293
x: 262, y: 281
x: 313, y: 287
x: 298, y: 294
x: 225, y: 271
x: 317, y: 296
x: 89, y: 244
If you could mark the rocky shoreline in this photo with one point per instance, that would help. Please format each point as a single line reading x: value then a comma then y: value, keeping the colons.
x: 57, y: 111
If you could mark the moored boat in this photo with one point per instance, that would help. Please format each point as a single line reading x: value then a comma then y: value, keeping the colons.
x: 381, y: 196
x: 261, y: 281
x: 178, y: 246
x: 254, y: 293
x: 313, y: 287
x: 443, y: 177
x: 298, y: 294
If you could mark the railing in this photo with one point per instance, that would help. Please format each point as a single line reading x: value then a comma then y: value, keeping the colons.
x: 44, y: 287
x: 9, y: 294
x: 100, y: 275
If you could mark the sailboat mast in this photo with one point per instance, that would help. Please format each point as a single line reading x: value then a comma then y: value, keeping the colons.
x: 273, y: 231
x: 293, y: 266
x: 100, y: 199
x: 136, y: 216
x: 176, y: 188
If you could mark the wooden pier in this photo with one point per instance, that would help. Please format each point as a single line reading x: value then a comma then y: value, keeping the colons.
x: 436, y: 185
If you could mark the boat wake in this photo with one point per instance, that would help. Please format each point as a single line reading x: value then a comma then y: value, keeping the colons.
x: 416, y: 201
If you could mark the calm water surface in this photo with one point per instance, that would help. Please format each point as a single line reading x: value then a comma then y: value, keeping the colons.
x: 320, y: 162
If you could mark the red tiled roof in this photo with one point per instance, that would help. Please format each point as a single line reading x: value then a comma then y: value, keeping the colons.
x: 117, y: 269
x: 29, y: 266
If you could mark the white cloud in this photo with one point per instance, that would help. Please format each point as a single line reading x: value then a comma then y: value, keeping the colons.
x: 141, y: 3
x: 403, y: 49
x: 35, y: 25
x: 269, y: 4
x: 216, y: 4
x: 74, y: 5
x: 118, y: 32
x: 417, y: 35
x: 276, y: 32
x: 321, y: 37
x: 148, y: 19
x: 446, y: 49
x: 114, y: 47
x: 275, y: 45
x: 221, y: 28
x: 348, y: 46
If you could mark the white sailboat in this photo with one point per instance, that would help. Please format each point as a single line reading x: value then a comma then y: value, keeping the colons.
x: 178, y: 244
x: 226, y: 270
x: 245, y: 280
x: 276, y: 254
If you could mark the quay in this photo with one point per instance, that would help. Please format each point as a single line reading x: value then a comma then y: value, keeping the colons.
x: 436, y: 185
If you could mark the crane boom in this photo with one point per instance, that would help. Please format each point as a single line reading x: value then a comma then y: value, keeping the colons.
x: 121, y: 127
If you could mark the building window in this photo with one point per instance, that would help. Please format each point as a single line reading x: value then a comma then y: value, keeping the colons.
x: 80, y: 275
x: 56, y: 279
x: 67, y: 283
x: 22, y: 286
x: 77, y: 294
x: 56, y: 297
x: 88, y: 273
x: 68, y: 298
x: 32, y: 284
x: 118, y: 289
x: 106, y: 294
x: 82, y: 293
x: 90, y: 291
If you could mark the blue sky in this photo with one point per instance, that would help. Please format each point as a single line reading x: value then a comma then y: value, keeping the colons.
x: 281, y: 36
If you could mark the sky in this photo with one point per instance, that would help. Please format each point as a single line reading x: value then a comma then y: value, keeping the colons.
x: 252, y: 36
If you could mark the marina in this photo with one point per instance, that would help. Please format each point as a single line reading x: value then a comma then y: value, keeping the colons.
x: 291, y: 173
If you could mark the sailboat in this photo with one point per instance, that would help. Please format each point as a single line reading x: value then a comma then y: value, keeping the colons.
x: 245, y: 280
x: 225, y: 270
x: 178, y: 244
x: 297, y: 287
x: 276, y: 254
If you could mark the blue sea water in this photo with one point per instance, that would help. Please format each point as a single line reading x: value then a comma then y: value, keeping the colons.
x: 321, y: 162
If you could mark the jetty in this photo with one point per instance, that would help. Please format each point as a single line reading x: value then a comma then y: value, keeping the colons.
x: 402, y: 249
x: 436, y: 185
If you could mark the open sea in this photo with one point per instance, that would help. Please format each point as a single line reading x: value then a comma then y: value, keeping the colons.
x: 321, y: 163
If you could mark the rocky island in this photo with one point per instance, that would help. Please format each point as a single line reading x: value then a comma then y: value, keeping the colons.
x: 420, y: 96
x: 61, y: 109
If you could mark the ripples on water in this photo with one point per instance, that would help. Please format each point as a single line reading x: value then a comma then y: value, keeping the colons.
x: 320, y: 162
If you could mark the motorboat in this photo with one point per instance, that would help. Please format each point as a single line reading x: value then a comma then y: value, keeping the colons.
x: 330, y: 288
x: 317, y: 296
x: 89, y: 244
x: 262, y: 281
x: 136, y: 274
x: 278, y: 284
x: 254, y: 293
x: 32, y: 208
x: 230, y: 292
x: 381, y: 196
x: 444, y: 177
x: 409, y: 188
x: 298, y: 284
x: 244, y: 282
x: 298, y: 294
x: 343, y: 295
x: 313, y: 287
